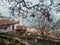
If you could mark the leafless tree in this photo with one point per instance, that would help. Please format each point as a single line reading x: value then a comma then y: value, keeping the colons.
x: 40, y: 12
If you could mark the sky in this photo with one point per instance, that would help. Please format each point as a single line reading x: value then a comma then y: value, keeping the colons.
x: 4, y: 9
x: 34, y: 2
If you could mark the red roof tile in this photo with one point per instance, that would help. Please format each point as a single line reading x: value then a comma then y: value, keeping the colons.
x: 21, y: 27
x: 3, y: 22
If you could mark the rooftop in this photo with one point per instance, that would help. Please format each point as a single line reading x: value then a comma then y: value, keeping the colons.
x: 21, y: 27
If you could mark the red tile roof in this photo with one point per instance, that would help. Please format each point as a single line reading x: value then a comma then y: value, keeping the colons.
x: 6, y: 23
x: 21, y: 27
x: 3, y: 22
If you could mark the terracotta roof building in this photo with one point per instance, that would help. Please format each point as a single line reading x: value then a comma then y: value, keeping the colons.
x: 6, y: 23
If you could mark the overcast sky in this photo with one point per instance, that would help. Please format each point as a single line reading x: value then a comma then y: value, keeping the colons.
x: 6, y: 12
